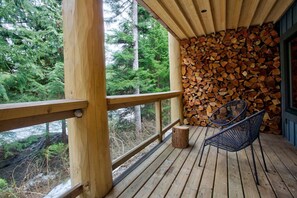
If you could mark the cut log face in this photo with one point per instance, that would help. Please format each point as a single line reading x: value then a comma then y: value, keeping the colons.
x: 225, y: 66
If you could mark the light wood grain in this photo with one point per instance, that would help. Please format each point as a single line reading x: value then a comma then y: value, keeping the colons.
x: 176, y: 13
x: 219, y: 14
x: 247, y: 12
x: 278, y: 10
x: 233, y: 13
x: 84, y: 59
x: 159, y: 10
x: 158, y: 118
x: 189, y: 9
x: 185, y: 20
x: 175, y: 78
x: 262, y: 11
x: 6, y: 125
x: 117, y: 102
x: 206, y: 17
x: 27, y: 109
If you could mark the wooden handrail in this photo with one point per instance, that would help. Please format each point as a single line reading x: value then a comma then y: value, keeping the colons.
x: 19, y: 115
x: 117, y: 102
x: 122, y: 159
x: 73, y: 192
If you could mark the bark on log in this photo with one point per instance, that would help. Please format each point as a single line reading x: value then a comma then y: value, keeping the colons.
x: 180, y: 137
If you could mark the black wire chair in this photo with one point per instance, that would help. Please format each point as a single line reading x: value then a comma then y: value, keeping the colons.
x: 229, y: 113
x: 238, y: 136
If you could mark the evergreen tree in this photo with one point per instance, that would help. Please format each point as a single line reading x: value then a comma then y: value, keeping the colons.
x: 31, y: 58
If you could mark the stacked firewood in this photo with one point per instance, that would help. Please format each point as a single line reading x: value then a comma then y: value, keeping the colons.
x: 229, y: 65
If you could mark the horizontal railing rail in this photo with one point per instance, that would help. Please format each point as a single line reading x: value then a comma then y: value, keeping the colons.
x: 18, y: 115
x: 124, y: 101
x: 73, y: 192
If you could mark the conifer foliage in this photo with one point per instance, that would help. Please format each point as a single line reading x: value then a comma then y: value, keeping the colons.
x: 31, y: 46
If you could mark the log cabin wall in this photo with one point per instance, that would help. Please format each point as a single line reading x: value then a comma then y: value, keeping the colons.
x: 236, y: 64
x: 287, y: 28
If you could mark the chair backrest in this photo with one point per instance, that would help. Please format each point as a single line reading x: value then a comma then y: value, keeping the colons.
x: 238, y: 135
x: 229, y: 113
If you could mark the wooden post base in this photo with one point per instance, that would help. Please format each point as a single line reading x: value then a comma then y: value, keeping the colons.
x: 180, y: 136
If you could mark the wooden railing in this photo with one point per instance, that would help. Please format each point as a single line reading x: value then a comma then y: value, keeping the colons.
x: 20, y: 115
x: 117, y: 102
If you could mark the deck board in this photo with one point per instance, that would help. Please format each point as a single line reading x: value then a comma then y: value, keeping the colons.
x: 172, y: 172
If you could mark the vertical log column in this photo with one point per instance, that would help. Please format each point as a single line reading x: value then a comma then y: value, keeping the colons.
x: 90, y: 162
x: 175, y: 78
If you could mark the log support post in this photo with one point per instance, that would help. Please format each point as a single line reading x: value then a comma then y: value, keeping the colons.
x: 90, y: 162
x: 175, y: 78
x: 158, y: 112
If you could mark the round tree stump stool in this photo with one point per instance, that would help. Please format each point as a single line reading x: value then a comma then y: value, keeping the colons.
x: 180, y: 136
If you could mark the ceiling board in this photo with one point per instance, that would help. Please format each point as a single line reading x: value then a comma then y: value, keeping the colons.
x: 186, y: 18
x: 164, y: 16
x: 206, y: 17
x: 176, y: 13
x: 248, y: 10
x: 277, y: 11
x: 189, y: 9
x: 262, y: 11
x: 233, y: 13
x: 219, y: 14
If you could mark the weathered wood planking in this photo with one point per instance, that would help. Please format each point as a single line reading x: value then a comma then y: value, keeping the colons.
x: 176, y: 173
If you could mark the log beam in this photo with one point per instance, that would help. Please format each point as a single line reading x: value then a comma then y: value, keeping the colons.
x: 175, y: 77
x: 90, y: 162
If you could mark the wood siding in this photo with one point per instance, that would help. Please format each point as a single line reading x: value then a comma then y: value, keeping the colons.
x: 287, y: 24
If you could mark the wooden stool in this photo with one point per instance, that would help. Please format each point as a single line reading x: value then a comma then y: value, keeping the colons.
x: 180, y: 136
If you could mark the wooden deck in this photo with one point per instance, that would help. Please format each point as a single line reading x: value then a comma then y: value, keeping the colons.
x: 171, y: 172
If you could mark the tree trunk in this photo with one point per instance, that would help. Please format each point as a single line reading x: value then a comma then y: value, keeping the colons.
x: 137, y: 111
x: 64, y: 135
x: 47, y: 130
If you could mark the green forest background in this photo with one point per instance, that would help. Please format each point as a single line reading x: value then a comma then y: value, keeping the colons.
x: 31, y: 45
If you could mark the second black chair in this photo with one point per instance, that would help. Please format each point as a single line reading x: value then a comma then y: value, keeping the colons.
x: 238, y: 136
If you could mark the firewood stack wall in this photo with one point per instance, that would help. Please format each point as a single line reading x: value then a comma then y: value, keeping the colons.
x: 228, y: 65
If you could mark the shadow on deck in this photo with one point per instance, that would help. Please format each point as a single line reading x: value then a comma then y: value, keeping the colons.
x: 171, y: 172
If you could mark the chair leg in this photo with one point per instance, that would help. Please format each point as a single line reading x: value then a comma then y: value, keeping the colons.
x: 254, y: 162
x: 262, y: 154
x: 201, y: 153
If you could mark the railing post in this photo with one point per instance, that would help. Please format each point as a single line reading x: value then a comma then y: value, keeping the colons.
x: 158, y: 111
x: 175, y: 78
x: 84, y: 59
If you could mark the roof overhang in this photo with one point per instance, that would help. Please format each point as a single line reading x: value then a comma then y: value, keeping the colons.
x: 191, y: 18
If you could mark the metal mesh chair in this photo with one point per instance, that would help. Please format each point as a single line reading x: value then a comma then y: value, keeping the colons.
x: 229, y: 113
x: 238, y: 136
